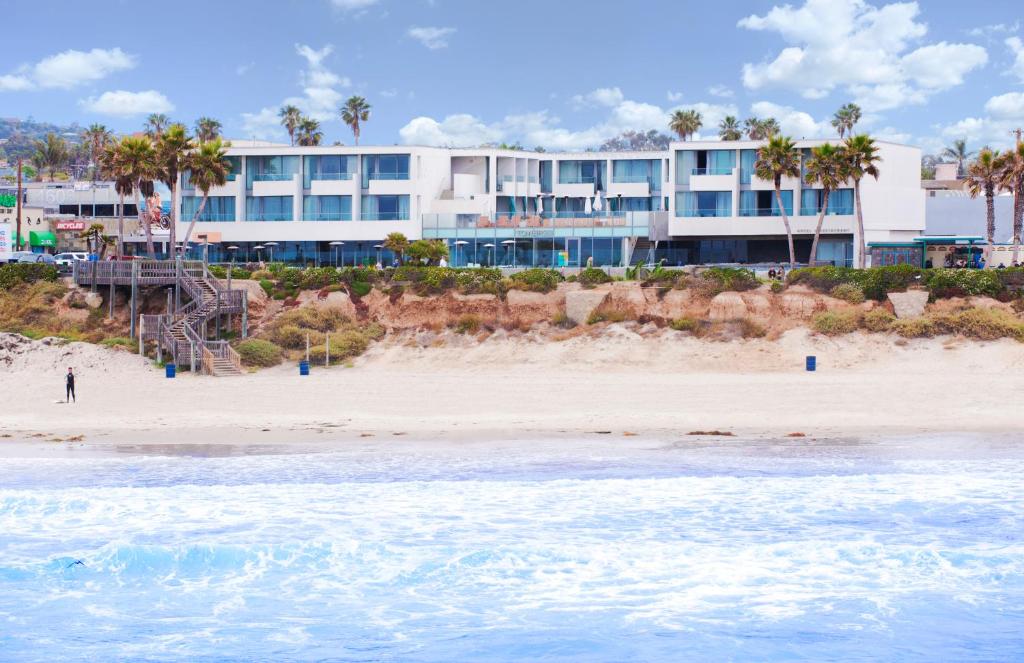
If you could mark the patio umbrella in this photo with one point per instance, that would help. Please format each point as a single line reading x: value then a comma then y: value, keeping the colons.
x: 510, y: 243
x: 335, y: 247
x: 458, y: 243
x: 587, y: 207
x: 540, y: 205
x: 490, y: 248
x: 598, y: 204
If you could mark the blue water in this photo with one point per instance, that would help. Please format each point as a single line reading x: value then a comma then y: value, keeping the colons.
x: 538, y: 551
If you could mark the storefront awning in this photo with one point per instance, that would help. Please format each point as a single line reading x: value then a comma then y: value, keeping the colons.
x: 40, y: 238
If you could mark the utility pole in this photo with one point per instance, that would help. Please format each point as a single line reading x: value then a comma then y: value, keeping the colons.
x: 17, y: 234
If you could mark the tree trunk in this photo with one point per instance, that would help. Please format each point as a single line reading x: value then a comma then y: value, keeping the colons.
x: 120, y: 228
x: 144, y: 219
x: 785, y: 222
x: 195, y: 217
x: 1018, y: 218
x: 172, y: 237
x: 990, y: 204
x: 860, y: 225
x: 817, y: 229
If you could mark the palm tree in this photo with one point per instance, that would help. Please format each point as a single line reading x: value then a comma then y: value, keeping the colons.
x: 290, y: 118
x: 96, y: 138
x: 207, y: 128
x: 354, y: 111
x: 155, y: 124
x: 137, y: 162
x: 827, y: 168
x: 958, y: 153
x: 845, y: 119
x: 172, y: 150
x: 1011, y: 176
x: 309, y: 132
x: 110, y: 168
x: 52, y: 154
x: 100, y: 242
x: 209, y: 167
x: 397, y: 244
x: 778, y: 159
x: 761, y: 129
x: 861, y: 156
x: 729, y: 128
x: 685, y: 123
x: 983, y: 178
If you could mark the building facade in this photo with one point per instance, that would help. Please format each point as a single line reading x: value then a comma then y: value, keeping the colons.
x: 697, y: 202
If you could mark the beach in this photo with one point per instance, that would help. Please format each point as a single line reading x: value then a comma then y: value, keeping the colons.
x: 619, y: 383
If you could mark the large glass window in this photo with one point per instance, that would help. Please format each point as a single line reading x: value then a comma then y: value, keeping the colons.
x: 385, y: 167
x: 764, y: 203
x: 582, y: 172
x: 384, y: 208
x: 218, y: 208
x: 686, y: 161
x: 268, y: 208
x: 545, y: 176
x: 270, y: 169
x: 327, y: 208
x: 703, y: 203
x: 840, y: 202
x: 747, y: 159
x: 328, y: 167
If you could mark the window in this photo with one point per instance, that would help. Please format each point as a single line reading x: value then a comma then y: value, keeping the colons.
x: 328, y: 167
x: 385, y: 167
x: 218, y: 208
x: 327, y: 208
x: 268, y: 208
x: 270, y: 169
x: 840, y: 202
x: 385, y: 208
x: 747, y: 159
x: 763, y: 203
x: 703, y: 203
x: 582, y: 172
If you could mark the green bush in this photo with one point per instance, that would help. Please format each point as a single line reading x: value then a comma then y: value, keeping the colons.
x: 592, y: 276
x: 467, y: 324
x: 536, y: 280
x: 961, y: 282
x: 360, y: 288
x: 294, y: 337
x: 221, y: 272
x: 878, y: 320
x: 684, y: 324
x: 752, y: 329
x: 318, y: 318
x: 985, y: 324
x: 267, y: 285
x: 261, y: 274
x: 12, y: 274
x: 914, y: 327
x: 848, y: 292
x: 731, y: 278
x: 426, y: 281
x: 561, y: 319
x: 875, y: 282
x: 257, y: 352
x: 777, y: 287
x: 834, y: 323
x: 315, y: 278
x: 120, y: 342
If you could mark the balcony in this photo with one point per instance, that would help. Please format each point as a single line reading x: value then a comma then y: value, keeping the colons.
x: 328, y: 216
x: 635, y: 186
x: 833, y: 211
x: 388, y: 184
x: 340, y: 184
x: 274, y: 184
x: 712, y: 179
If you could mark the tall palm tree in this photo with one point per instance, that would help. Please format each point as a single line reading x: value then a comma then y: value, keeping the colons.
x: 861, y: 156
x: 110, y: 168
x: 1011, y: 176
x: 137, y: 162
x: 96, y: 138
x: 209, y: 167
x: 397, y: 244
x: 290, y: 118
x: 729, y: 128
x: 958, y: 153
x: 207, y: 128
x: 845, y: 119
x: 155, y: 124
x: 758, y: 129
x: 778, y: 159
x: 52, y: 153
x: 309, y: 132
x: 355, y: 111
x: 827, y: 169
x: 172, y: 150
x: 685, y: 123
x: 982, y: 179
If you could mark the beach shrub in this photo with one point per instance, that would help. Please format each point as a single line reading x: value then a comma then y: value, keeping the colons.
x: 878, y: 320
x: 319, y: 318
x: 562, y: 319
x: 834, y: 323
x: 731, y: 278
x: 293, y: 337
x: 592, y: 276
x: 777, y: 287
x: 848, y: 292
x: 914, y: 327
x: 985, y: 324
x: 608, y: 313
x: 751, y: 329
x: 13, y: 274
x: 360, y: 288
x: 876, y: 282
x: 684, y: 324
x: 258, y: 352
x: 467, y: 324
x: 267, y: 285
x: 261, y: 274
x: 315, y: 278
x: 536, y: 280
x: 221, y: 272
x: 962, y: 282
x: 120, y: 342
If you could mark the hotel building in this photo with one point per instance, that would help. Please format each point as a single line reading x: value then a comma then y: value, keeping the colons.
x: 697, y: 202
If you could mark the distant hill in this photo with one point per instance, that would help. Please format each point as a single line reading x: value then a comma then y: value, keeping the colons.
x: 17, y: 136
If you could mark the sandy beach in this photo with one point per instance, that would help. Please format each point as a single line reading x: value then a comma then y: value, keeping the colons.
x: 617, y: 384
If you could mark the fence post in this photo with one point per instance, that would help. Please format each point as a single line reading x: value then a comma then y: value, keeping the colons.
x: 192, y: 363
x: 134, y: 306
x: 245, y: 314
x: 327, y: 361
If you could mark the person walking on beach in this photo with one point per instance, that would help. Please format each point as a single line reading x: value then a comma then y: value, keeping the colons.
x: 69, y: 383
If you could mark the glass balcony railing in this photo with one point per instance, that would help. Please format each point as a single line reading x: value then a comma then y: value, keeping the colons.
x: 388, y: 176
x: 331, y: 176
x: 209, y: 217
x: 380, y: 217
x: 271, y: 177
x: 832, y: 211
x: 328, y: 216
x: 705, y: 212
x: 711, y: 171
x: 581, y: 179
x: 631, y: 179
x: 761, y: 211
x: 271, y: 216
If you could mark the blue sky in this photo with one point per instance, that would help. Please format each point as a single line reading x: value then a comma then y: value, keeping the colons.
x: 564, y: 74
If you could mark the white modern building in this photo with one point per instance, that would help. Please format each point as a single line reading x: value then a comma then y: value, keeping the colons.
x: 698, y: 202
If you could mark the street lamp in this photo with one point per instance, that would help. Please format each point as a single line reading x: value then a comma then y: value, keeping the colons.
x: 336, y: 246
x: 259, y: 252
x: 378, y: 247
x: 270, y: 245
x: 458, y: 243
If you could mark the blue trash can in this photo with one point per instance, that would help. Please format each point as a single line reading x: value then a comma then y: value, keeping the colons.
x: 812, y: 362
x: 303, y: 368
x: 170, y: 370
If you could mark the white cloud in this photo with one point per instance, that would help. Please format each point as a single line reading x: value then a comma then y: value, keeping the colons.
x: 1004, y: 113
x: 541, y: 128
x: 390, y: 93
x: 674, y: 96
x: 68, y: 69
x: 858, y: 48
x: 1017, y: 48
x: 1008, y: 105
x: 353, y: 5
x: 263, y: 124
x: 995, y: 28
x: 431, y: 37
x: 244, y: 69
x: 721, y: 91
x: 792, y: 122
x: 122, y: 103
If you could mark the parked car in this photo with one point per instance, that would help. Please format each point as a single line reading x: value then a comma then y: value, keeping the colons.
x: 35, y: 257
x: 67, y: 259
x: 16, y: 256
x: 124, y: 258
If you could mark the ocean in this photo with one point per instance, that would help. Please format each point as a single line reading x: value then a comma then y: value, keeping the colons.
x: 554, y: 550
